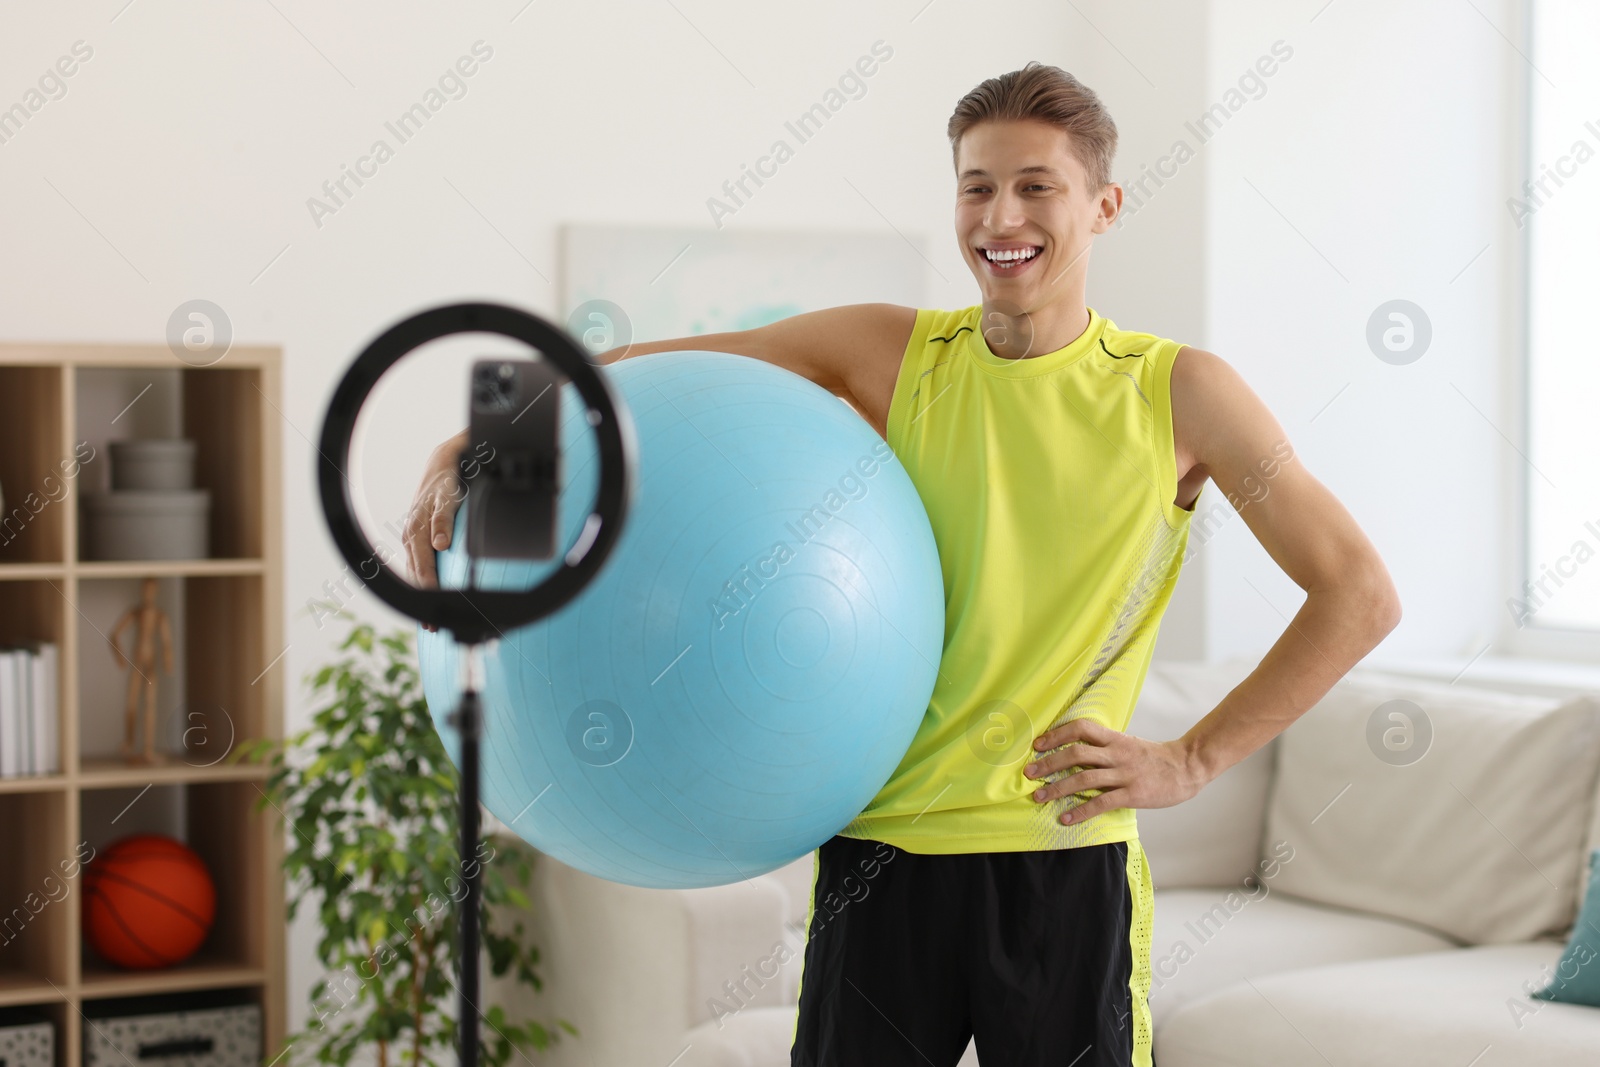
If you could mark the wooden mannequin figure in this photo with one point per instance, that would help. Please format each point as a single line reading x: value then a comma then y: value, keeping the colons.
x: 150, y: 628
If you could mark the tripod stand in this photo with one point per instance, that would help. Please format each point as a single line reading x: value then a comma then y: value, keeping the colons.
x: 474, y: 616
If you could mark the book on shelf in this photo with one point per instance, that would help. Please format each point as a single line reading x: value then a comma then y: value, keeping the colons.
x: 29, y: 698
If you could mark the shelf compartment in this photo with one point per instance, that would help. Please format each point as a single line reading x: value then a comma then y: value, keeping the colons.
x: 31, y: 610
x: 216, y: 696
x: 37, y: 883
x: 231, y: 835
x: 231, y: 671
x: 34, y: 476
x: 218, y: 821
x: 35, y: 611
x: 219, y: 408
x: 51, y: 1006
x: 222, y: 412
x: 102, y: 686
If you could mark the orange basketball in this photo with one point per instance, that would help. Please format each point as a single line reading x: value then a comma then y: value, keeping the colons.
x: 148, y: 901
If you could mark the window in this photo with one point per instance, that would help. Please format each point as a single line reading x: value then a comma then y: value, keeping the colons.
x: 1556, y: 213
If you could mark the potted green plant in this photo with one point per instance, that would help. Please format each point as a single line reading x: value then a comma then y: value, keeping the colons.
x: 368, y: 794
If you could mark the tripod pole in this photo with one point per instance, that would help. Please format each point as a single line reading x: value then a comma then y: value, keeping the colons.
x: 468, y: 722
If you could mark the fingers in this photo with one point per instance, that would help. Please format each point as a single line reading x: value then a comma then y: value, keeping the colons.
x: 433, y: 535
x: 1079, y: 755
x: 1082, y: 728
x: 1105, y: 801
x: 1052, y: 738
x: 1076, y: 783
x: 435, y: 531
x: 425, y: 571
x: 1043, y: 768
x: 443, y: 523
x: 429, y: 525
x: 419, y: 554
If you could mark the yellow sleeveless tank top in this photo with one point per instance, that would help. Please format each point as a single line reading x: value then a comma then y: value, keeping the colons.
x: 1049, y: 483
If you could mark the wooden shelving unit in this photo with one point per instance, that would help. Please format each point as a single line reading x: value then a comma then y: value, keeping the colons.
x: 229, y: 683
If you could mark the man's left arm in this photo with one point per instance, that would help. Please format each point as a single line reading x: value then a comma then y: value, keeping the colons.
x: 1225, y: 429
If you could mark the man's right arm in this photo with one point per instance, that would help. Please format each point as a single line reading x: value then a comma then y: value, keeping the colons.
x: 852, y: 351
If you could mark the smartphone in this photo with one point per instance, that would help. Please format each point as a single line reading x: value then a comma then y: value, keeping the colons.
x: 513, y: 478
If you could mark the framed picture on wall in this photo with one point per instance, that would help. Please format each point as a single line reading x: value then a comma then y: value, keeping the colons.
x: 681, y: 282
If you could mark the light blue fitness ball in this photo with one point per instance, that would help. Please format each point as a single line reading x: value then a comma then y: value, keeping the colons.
x: 749, y: 666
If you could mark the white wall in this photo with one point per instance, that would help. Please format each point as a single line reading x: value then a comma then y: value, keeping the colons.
x: 1371, y: 169
x: 1148, y: 273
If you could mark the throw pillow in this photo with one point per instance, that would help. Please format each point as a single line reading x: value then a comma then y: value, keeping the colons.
x: 1577, y: 977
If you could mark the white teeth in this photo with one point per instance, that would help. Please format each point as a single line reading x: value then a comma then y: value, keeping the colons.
x: 1010, y: 255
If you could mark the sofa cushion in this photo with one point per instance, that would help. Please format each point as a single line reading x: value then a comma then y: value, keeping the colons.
x: 1440, y: 1009
x: 636, y: 968
x: 1515, y: 676
x: 796, y: 880
x: 741, y: 955
x: 1477, y: 833
x: 1213, y: 838
x: 756, y: 1037
x: 1205, y: 939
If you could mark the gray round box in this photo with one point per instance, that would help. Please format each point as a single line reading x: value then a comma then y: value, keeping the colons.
x: 147, y: 524
x: 158, y: 464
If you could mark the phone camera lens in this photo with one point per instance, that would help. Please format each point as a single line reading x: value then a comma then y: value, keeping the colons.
x: 494, y: 389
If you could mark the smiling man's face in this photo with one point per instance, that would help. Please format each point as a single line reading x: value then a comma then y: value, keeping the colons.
x: 1025, y: 214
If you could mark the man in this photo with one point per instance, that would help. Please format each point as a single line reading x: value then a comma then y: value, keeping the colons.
x: 995, y: 888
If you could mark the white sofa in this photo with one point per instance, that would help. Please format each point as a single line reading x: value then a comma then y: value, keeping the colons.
x: 1350, y: 952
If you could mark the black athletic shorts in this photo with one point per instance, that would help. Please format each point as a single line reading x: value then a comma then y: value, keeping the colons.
x: 1042, y: 957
